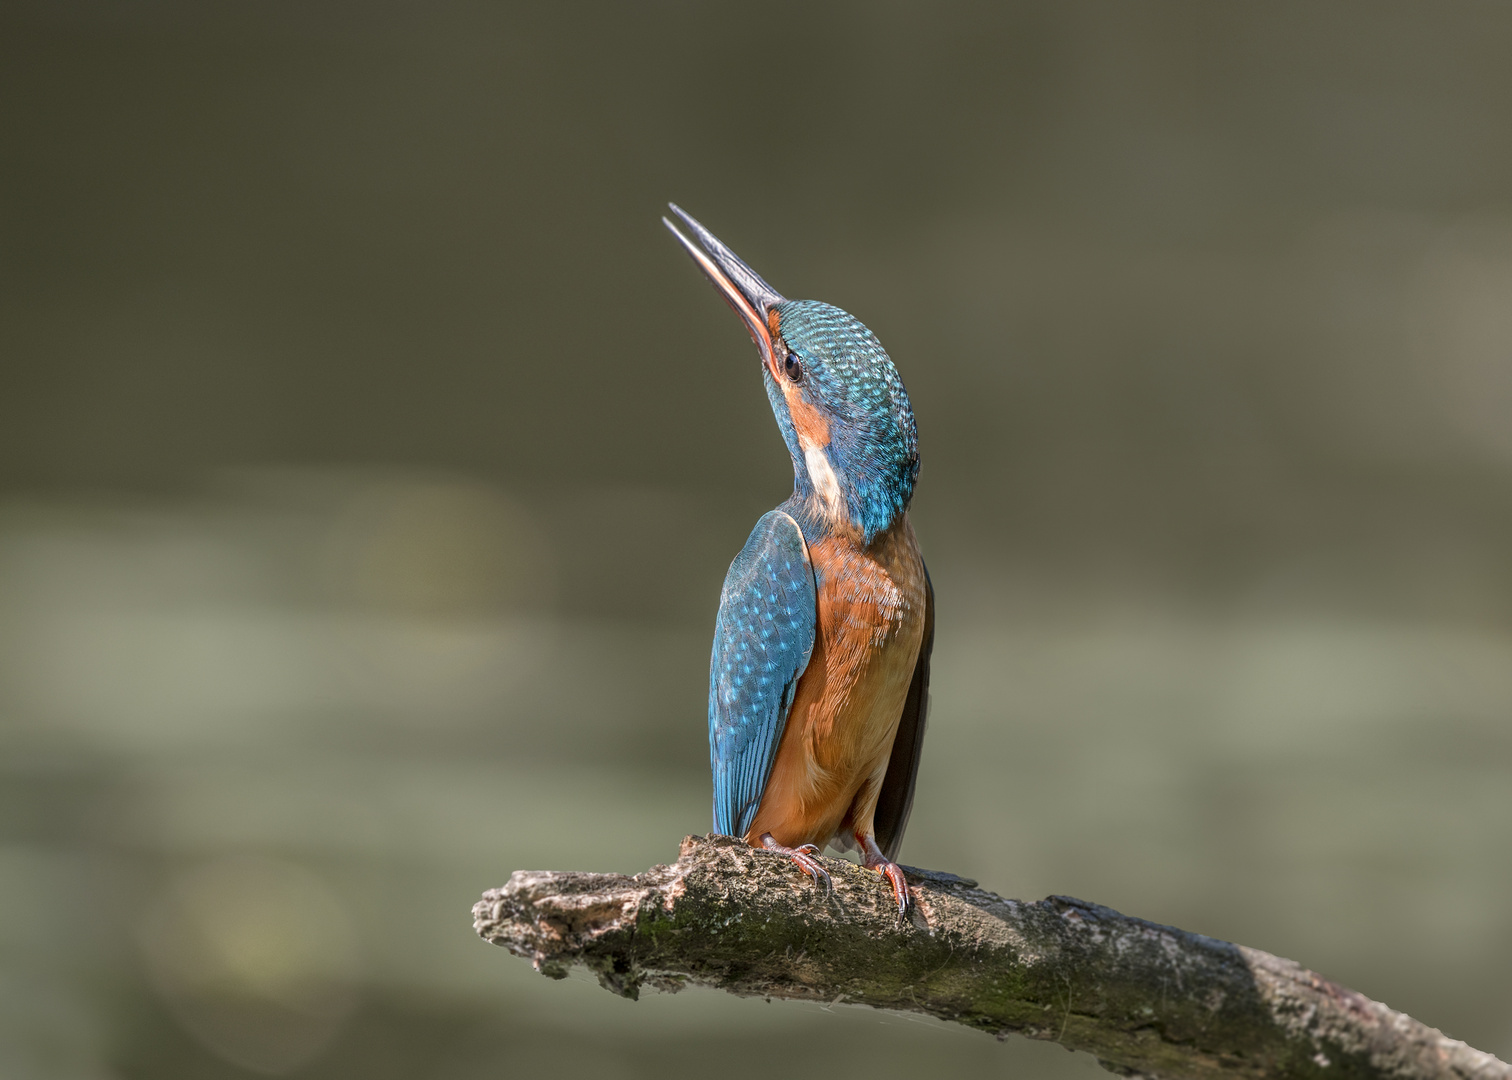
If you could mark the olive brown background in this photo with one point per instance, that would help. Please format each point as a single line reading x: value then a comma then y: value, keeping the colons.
x: 370, y: 459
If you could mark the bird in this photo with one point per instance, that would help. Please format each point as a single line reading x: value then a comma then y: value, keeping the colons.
x: 819, y: 674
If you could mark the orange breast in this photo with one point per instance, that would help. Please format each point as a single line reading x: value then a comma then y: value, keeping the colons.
x: 835, y: 747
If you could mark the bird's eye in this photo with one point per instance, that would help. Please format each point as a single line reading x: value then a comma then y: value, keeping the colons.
x: 794, y: 367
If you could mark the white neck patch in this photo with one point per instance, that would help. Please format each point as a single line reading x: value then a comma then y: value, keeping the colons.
x: 826, y: 484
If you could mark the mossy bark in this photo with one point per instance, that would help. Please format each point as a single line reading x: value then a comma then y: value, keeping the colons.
x: 1146, y: 999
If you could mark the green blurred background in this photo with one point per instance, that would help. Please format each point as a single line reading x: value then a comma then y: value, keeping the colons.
x: 370, y: 459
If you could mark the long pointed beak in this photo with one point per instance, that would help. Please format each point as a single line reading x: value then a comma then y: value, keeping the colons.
x: 750, y: 297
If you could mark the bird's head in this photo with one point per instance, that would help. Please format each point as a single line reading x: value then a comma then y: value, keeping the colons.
x: 837, y: 397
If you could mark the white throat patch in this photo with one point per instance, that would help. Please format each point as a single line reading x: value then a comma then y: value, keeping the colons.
x: 826, y: 485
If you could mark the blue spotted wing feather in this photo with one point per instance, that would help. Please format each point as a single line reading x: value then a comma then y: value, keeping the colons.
x: 762, y: 641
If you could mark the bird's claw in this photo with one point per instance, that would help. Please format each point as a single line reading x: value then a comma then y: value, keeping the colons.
x: 803, y: 857
x: 873, y: 859
x: 902, y: 893
x: 810, y: 866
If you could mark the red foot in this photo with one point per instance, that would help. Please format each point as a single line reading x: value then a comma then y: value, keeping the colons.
x: 803, y: 855
x: 873, y: 859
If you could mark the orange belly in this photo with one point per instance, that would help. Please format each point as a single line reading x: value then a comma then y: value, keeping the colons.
x: 839, y: 734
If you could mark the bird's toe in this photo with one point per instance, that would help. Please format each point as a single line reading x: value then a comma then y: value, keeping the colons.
x: 873, y: 859
x: 902, y: 893
x: 804, y: 857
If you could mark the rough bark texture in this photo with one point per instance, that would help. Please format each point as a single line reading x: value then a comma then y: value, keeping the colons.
x: 1146, y: 999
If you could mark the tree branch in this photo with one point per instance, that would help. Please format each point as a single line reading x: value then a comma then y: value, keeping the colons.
x: 1148, y: 1000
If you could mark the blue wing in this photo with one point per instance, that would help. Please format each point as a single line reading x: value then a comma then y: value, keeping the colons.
x: 762, y: 641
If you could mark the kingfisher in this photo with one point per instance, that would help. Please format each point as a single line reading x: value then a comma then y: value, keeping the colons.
x: 819, y: 678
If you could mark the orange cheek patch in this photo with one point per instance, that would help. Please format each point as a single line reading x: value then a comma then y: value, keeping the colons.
x: 809, y: 422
